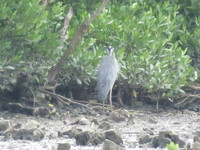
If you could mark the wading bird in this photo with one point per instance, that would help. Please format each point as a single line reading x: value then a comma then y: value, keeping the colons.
x: 106, y: 76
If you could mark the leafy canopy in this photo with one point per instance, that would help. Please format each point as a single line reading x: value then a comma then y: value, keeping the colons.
x: 151, y: 38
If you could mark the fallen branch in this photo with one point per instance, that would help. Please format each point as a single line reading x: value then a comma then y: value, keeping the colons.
x: 64, y: 99
x: 187, y: 96
x: 195, y: 87
x: 179, y: 103
x: 68, y: 101
x: 191, y: 95
x: 96, y: 105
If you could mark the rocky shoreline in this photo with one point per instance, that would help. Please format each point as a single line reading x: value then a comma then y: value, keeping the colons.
x: 119, y: 130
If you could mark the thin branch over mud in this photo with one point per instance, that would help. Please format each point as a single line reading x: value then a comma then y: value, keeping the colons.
x: 63, y: 99
x: 68, y: 101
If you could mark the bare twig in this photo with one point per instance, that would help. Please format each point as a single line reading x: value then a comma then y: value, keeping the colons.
x: 194, y: 87
x: 66, y: 24
x: 95, y: 104
x: 52, y: 88
x: 191, y: 95
x: 179, y: 103
x: 63, y: 99
x: 77, y: 38
x: 67, y: 101
x: 167, y: 123
x: 187, y: 97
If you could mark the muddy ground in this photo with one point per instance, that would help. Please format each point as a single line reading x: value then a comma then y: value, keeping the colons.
x: 137, y: 128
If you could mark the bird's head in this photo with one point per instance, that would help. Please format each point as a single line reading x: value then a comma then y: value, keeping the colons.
x: 110, y: 50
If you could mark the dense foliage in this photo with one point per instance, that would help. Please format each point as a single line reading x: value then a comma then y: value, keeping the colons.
x: 148, y: 46
x: 156, y: 42
x: 29, y: 39
x: 28, y: 31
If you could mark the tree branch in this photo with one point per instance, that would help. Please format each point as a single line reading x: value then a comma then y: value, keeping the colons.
x: 77, y: 38
x: 66, y: 24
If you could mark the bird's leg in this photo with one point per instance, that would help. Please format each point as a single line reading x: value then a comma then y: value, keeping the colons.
x: 157, y: 103
x: 103, y: 108
x: 110, y: 98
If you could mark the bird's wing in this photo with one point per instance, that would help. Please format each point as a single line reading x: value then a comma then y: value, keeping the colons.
x: 106, y: 76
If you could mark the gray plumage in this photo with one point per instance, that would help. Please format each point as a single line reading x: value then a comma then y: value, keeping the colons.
x: 106, y: 75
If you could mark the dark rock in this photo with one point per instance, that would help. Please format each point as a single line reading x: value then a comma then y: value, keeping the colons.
x: 100, y: 110
x: 89, y: 138
x: 17, y: 125
x: 30, y: 124
x: 113, y: 136
x: 196, y: 136
x: 125, y: 113
x: 187, y: 147
x: 145, y: 138
x: 4, y: 125
x: 115, y: 116
x: 37, y: 135
x: 83, y: 121
x: 160, y: 141
x: 197, y: 128
x: 105, y: 126
x: 196, y: 146
x: 152, y: 121
x: 41, y: 111
x: 64, y: 146
x: 52, y: 135
x: 109, y: 145
x: 174, y: 138
x: 165, y: 137
x: 24, y: 134
x: 95, y: 121
x: 83, y: 138
x: 119, y: 116
x: 70, y: 133
x: 149, y: 131
x: 20, y: 134
x: 17, y: 108
x: 97, y: 138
